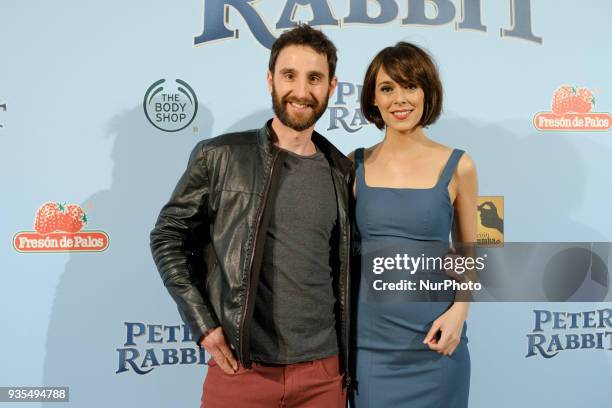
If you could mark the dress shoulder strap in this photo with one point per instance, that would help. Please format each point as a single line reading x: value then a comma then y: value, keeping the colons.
x: 359, y: 171
x: 359, y: 157
x: 449, y: 168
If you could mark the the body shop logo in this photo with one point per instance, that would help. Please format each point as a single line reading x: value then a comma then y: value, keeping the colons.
x: 345, y: 112
x: 554, y: 332
x: 215, y: 17
x: 572, y: 110
x: 2, y: 108
x: 58, y: 228
x: 170, y: 107
x: 161, y: 345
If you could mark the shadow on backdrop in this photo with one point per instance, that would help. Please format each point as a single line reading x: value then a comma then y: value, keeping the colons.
x: 97, y: 293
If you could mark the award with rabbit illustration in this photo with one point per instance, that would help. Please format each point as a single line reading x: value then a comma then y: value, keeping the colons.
x: 490, y: 221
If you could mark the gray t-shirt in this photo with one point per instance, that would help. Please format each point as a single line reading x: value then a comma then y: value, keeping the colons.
x: 294, y: 319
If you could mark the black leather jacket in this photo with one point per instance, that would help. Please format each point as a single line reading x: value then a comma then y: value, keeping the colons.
x: 208, y: 240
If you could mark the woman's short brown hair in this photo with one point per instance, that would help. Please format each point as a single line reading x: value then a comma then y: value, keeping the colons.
x: 406, y: 64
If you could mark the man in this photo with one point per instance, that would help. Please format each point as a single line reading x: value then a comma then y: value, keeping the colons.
x: 254, y: 245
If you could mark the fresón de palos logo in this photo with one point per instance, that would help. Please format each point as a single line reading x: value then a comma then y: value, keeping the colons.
x: 572, y: 110
x: 58, y: 227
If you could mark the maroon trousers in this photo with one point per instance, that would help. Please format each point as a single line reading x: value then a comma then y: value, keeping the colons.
x: 312, y: 384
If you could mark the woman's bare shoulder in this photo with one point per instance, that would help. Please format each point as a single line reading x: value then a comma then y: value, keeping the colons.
x: 466, y: 168
x: 366, y: 152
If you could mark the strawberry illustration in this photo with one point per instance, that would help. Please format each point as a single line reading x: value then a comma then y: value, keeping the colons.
x: 563, y: 99
x: 72, y: 219
x: 48, y: 218
x: 583, y: 101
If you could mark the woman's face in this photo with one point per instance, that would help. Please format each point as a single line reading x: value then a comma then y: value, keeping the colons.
x: 401, y: 108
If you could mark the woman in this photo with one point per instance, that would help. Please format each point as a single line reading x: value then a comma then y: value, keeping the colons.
x: 409, y: 190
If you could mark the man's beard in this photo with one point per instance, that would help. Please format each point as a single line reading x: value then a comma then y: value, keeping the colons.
x: 295, y: 122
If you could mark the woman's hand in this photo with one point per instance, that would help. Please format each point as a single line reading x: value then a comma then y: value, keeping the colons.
x: 450, y: 324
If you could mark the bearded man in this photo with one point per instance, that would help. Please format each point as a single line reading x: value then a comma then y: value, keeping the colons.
x: 253, y: 245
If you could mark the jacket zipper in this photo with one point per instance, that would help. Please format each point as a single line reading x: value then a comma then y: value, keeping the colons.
x: 343, y: 317
x: 243, y: 335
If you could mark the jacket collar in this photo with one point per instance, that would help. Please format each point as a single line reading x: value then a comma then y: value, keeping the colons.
x: 267, y: 137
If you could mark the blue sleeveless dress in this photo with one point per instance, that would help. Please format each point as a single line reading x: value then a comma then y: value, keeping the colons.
x: 393, y: 368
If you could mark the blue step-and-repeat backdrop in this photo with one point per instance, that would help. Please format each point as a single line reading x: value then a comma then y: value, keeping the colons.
x: 101, y: 103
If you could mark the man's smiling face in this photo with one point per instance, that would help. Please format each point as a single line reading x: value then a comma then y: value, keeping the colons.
x: 300, y: 86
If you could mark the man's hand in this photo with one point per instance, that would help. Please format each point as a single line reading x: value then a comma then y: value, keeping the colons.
x: 214, y: 342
